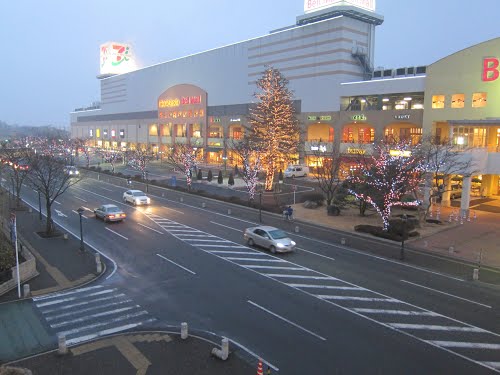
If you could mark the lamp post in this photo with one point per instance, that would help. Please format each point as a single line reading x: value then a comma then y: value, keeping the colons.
x: 404, y: 219
x: 260, y: 205
x: 147, y: 182
x: 39, y: 204
x: 80, y: 211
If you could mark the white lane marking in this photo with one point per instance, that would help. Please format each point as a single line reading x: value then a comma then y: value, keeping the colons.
x: 224, y: 246
x: 468, y: 345
x: 353, y: 298
x: 178, y: 265
x: 57, y: 202
x: 325, y: 287
x: 85, y: 217
x: 226, y: 226
x: 203, y: 240
x: 59, y: 213
x: 118, y: 234
x: 103, y: 188
x: 54, y: 295
x: 107, y: 332
x: 448, y: 294
x: 312, y: 252
x: 395, y: 312
x: 300, y: 276
x: 83, y: 200
x: 235, y: 252
x: 88, y: 209
x: 90, y: 317
x: 171, y: 209
x: 101, y: 324
x: 80, y: 311
x: 286, y: 320
x: 492, y: 364
x: 257, y: 259
x: 195, y: 235
x: 275, y: 267
x: 432, y: 327
x: 154, y: 230
x: 62, y: 300
x: 254, y: 355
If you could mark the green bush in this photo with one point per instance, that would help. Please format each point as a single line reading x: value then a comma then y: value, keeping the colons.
x: 220, y: 180
x: 209, y: 175
x: 230, y: 181
x: 199, y: 176
x: 7, y: 257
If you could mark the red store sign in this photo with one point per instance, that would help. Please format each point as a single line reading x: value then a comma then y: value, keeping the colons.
x: 490, y: 69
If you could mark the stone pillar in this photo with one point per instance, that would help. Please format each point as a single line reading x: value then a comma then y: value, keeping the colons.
x: 446, y: 194
x: 464, y: 204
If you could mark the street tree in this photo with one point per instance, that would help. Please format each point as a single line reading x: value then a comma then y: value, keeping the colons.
x: 328, y: 174
x: 48, y: 176
x: 111, y: 157
x: 392, y: 171
x: 183, y: 157
x: 274, y: 127
x: 249, y: 155
x: 138, y: 159
x: 15, y: 162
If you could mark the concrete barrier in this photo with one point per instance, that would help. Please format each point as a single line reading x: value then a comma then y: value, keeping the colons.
x: 62, y: 347
x: 184, y: 330
x: 223, y: 352
x: 475, y: 274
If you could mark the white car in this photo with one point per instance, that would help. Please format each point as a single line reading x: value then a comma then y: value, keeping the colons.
x: 271, y: 238
x: 136, y: 197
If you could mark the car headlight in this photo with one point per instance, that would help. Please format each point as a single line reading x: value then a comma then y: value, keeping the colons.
x: 137, y: 201
x: 280, y: 245
x: 148, y: 200
x: 293, y: 243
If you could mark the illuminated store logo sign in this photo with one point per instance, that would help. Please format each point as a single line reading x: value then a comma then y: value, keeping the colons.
x: 490, y: 69
x: 116, y: 58
x: 176, y: 102
x: 399, y: 153
x: 356, y: 151
x: 215, y: 119
x: 402, y: 117
x: 358, y: 118
x: 235, y: 120
x: 181, y: 114
x: 320, y: 148
x: 314, y: 5
x: 319, y: 118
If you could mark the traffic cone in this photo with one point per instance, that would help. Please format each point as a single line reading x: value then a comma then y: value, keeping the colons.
x: 260, y: 371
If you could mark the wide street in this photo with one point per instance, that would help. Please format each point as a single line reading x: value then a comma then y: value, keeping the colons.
x: 326, y: 308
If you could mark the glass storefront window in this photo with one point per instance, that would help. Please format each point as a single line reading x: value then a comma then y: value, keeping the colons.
x: 473, y: 136
x: 153, y: 129
x: 180, y: 130
x: 166, y: 130
x: 237, y: 133
x: 437, y: 101
x: 479, y: 99
x: 457, y: 101
x: 347, y: 135
x: 215, y: 132
x: 98, y: 133
x: 196, y: 130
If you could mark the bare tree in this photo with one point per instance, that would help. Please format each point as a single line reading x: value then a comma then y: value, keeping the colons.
x: 49, y: 176
x: 16, y: 167
x: 184, y: 158
x: 250, y: 157
x: 328, y: 174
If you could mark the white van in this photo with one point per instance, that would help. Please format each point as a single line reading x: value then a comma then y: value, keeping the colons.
x: 296, y: 171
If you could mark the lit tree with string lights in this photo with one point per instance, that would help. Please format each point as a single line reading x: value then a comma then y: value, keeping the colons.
x: 139, y: 160
x: 392, y: 171
x: 250, y: 157
x: 274, y: 128
x: 15, y: 161
x: 111, y: 157
x: 183, y: 157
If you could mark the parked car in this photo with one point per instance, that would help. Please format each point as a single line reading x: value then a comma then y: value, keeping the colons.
x: 136, y: 197
x: 296, y: 171
x: 270, y: 238
x: 109, y: 212
x: 456, y: 191
x: 71, y: 170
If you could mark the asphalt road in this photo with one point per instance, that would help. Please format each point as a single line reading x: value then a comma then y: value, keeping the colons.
x: 327, y: 308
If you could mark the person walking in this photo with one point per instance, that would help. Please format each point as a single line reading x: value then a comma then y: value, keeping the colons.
x: 288, y: 213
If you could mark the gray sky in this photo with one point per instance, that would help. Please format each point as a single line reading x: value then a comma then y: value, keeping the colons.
x: 51, y: 48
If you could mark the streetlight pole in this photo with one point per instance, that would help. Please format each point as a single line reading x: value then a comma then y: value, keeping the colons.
x: 404, y: 219
x: 39, y: 204
x: 80, y: 211
x: 147, y: 182
x: 260, y: 206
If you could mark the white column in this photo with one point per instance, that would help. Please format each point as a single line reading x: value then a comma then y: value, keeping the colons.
x: 464, y: 204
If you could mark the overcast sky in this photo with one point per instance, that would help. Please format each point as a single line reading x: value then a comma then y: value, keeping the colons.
x: 50, y: 49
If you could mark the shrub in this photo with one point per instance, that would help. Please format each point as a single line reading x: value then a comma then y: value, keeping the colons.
x: 220, y: 180
x: 7, y: 258
x: 333, y: 210
x: 199, y: 176
x: 230, y: 180
x: 209, y: 175
x: 313, y: 197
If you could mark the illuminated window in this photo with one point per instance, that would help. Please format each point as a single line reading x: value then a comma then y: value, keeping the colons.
x: 237, y: 133
x: 214, y: 132
x: 153, y: 129
x: 437, y: 101
x: 122, y: 133
x: 98, y: 133
x: 330, y: 135
x: 479, y: 99
x: 196, y: 130
x: 113, y: 133
x: 166, y: 130
x: 104, y: 132
x: 457, y: 101
x: 347, y: 135
x: 91, y: 132
x: 180, y: 130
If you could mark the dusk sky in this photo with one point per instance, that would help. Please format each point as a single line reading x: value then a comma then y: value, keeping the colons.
x: 51, y: 48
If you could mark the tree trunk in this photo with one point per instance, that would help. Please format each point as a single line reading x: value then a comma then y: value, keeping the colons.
x: 362, y: 207
x: 48, y: 227
x: 269, y: 177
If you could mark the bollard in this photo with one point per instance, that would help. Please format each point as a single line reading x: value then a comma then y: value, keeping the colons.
x: 461, y: 220
x: 30, y: 210
x: 468, y: 218
x: 26, y: 290
x: 229, y: 211
x: 296, y: 229
x: 222, y: 353
x: 475, y: 274
x: 162, y: 194
x: 63, y: 349
x: 98, y: 263
x: 342, y: 241
x: 475, y: 217
x: 184, y: 330
x: 65, y: 236
x: 182, y: 199
x: 451, y: 249
x: 203, y: 205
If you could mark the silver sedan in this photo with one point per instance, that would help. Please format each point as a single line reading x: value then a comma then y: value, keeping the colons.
x: 270, y: 238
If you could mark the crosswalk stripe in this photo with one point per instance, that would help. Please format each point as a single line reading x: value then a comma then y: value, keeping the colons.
x: 353, y: 298
x: 234, y: 252
x: 272, y: 267
x: 435, y: 327
x: 204, y: 240
x: 94, y: 300
x: 395, y: 312
x: 79, y: 311
x: 299, y: 276
x: 89, y: 317
x: 61, y: 294
x: 467, y: 345
x: 74, y: 298
x: 234, y: 246
x: 325, y: 287
x: 257, y: 259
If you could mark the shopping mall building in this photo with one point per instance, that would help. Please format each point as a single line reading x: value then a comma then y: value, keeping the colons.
x: 341, y: 101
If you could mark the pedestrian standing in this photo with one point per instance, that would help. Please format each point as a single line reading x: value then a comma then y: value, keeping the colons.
x: 268, y: 371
